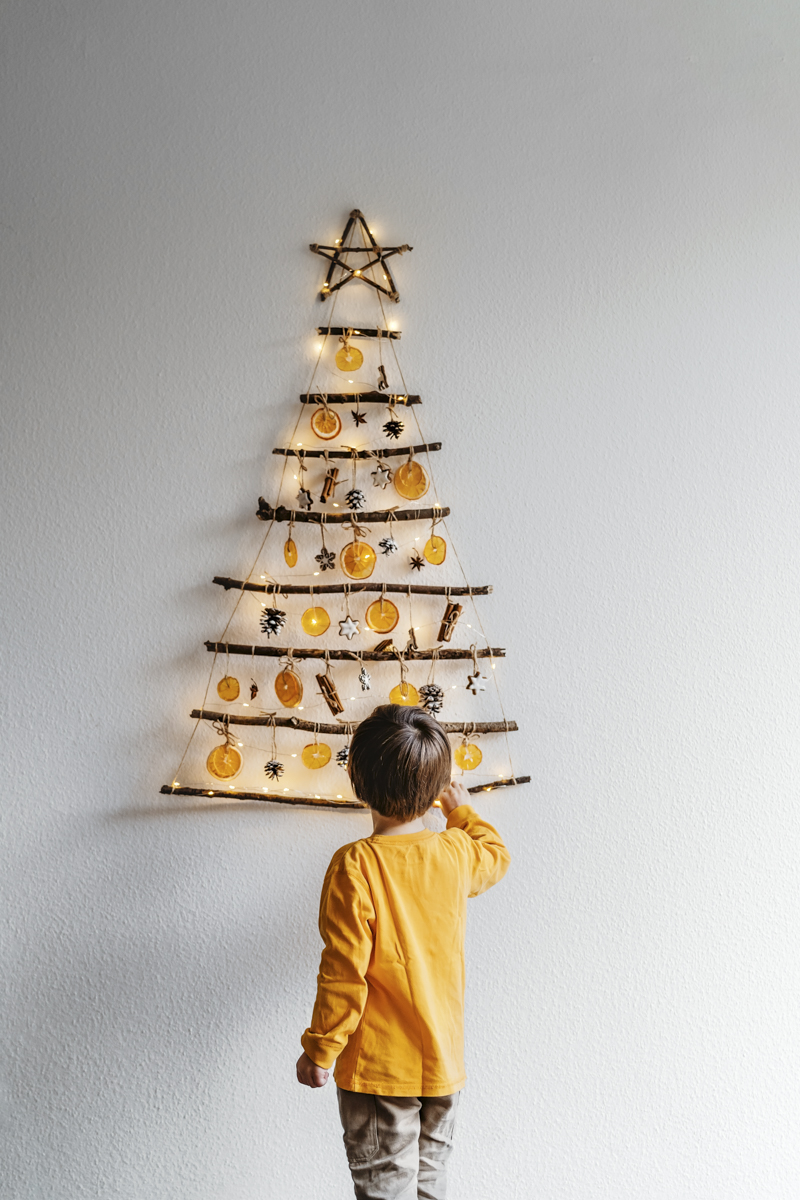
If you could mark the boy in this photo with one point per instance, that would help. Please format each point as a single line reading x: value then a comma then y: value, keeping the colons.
x: 390, y: 989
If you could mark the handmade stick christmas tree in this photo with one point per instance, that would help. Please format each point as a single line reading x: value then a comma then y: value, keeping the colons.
x: 355, y: 501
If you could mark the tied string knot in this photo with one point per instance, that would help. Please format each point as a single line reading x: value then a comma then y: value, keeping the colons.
x: 222, y: 728
x: 358, y: 531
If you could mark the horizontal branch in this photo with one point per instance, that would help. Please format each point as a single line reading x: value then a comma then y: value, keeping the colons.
x: 326, y: 589
x: 340, y: 330
x: 383, y: 452
x: 361, y: 397
x: 313, y: 801
x: 344, y: 727
x: 349, y: 655
x: 267, y: 513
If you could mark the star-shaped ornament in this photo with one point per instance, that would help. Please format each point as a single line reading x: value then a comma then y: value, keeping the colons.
x: 368, y: 257
x: 476, y: 683
x: 359, y: 417
x: 417, y: 561
x: 348, y: 628
x: 304, y: 498
x: 381, y: 476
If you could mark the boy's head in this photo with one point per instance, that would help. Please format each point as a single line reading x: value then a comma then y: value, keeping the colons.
x: 400, y: 760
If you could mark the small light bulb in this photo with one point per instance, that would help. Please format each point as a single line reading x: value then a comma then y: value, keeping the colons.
x: 244, y: 705
x: 316, y: 572
x: 319, y: 347
x: 316, y: 797
x: 352, y: 697
x: 211, y: 793
x: 300, y: 707
x: 263, y: 789
x: 264, y: 576
x: 299, y: 443
x: 417, y: 628
x: 356, y: 272
x: 286, y: 789
x: 240, y: 743
x: 294, y: 756
x: 335, y: 505
x: 493, y: 666
x: 338, y: 797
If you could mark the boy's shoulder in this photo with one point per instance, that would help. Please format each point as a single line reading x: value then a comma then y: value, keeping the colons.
x: 348, y: 856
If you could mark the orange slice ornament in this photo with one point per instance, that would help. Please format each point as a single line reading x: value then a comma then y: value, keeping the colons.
x: 382, y: 616
x: 228, y: 688
x: 315, y: 621
x: 410, y: 480
x: 357, y: 560
x: 435, y: 550
x: 326, y: 423
x: 405, y: 693
x: 316, y: 755
x: 224, y: 762
x: 467, y: 756
x: 290, y: 553
x: 349, y: 358
x: 288, y: 688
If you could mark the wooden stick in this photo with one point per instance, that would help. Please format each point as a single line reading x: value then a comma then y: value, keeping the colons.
x: 312, y: 801
x: 306, y: 589
x: 341, y: 330
x: 384, y: 452
x: 275, y: 799
x: 364, y: 397
x: 267, y: 513
x: 460, y: 727
x: 347, y: 655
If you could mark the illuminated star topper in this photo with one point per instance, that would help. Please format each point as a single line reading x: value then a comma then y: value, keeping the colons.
x: 370, y: 260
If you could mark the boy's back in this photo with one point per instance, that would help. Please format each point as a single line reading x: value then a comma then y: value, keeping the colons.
x: 390, y: 992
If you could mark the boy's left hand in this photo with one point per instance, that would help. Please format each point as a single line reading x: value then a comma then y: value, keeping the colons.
x: 309, y: 1073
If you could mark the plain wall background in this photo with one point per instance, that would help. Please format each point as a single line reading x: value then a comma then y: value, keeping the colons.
x: 601, y: 313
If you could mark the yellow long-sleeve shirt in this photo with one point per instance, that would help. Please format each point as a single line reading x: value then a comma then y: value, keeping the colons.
x: 390, y: 991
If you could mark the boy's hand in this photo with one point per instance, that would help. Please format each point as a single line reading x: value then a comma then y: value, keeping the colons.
x: 453, y: 795
x: 309, y: 1073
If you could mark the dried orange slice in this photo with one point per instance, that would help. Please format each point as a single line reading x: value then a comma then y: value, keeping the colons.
x: 290, y: 553
x: 224, y: 762
x: 382, y: 616
x: 357, y: 560
x: 404, y: 693
x: 316, y: 755
x: 410, y: 480
x: 467, y: 757
x: 435, y: 550
x: 349, y: 358
x: 228, y: 688
x: 288, y: 688
x: 326, y: 423
x: 315, y: 621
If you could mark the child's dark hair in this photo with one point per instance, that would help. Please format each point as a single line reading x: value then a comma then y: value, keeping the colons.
x: 400, y: 760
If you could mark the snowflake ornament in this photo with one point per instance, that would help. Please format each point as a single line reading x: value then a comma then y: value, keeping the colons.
x: 273, y: 769
x: 343, y: 756
x: 388, y: 545
x: 365, y: 679
x: 304, y: 498
x: 272, y: 621
x: 326, y: 560
x: 393, y: 428
x: 355, y: 499
x: 432, y: 697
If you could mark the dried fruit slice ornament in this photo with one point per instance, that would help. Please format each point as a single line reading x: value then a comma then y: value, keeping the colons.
x: 467, y: 755
x: 349, y: 358
x: 410, y: 480
x: 290, y: 552
x: 435, y: 550
x: 382, y: 615
x: 357, y: 559
x: 228, y: 688
x: 224, y: 762
x: 325, y: 423
x: 405, y: 693
x: 288, y: 684
x: 315, y: 621
x: 316, y: 754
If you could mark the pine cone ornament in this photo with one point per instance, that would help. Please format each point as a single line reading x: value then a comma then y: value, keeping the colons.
x: 432, y: 697
x: 273, y: 769
x: 272, y: 621
x: 343, y: 756
x: 326, y: 559
x: 393, y: 428
x: 388, y: 545
x: 355, y: 499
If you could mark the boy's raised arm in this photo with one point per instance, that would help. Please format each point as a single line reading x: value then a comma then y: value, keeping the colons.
x: 345, y: 913
x: 489, y: 858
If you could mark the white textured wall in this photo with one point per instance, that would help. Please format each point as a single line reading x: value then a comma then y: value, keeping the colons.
x: 601, y: 311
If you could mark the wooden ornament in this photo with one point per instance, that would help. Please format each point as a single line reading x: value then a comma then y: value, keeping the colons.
x: 330, y: 694
x: 228, y: 688
x: 288, y: 688
x: 449, y: 621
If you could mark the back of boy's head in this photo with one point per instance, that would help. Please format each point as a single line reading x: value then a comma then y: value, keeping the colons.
x: 400, y: 760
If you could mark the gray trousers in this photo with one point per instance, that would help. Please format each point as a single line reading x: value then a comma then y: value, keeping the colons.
x: 398, y: 1146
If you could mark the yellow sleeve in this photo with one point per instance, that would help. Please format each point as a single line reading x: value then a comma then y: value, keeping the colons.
x: 345, y: 914
x: 488, y: 857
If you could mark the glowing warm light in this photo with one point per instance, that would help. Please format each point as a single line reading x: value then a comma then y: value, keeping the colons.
x: 294, y: 756
x: 244, y: 705
x: 316, y: 572
x: 286, y: 789
x: 319, y: 347
x: 299, y: 443
x: 356, y: 272
x: 240, y: 743
x: 300, y: 708
x: 338, y: 797
x: 335, y: 505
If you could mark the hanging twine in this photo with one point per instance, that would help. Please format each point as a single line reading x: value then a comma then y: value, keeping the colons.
x: 434, y: 660
x: 222, y: 728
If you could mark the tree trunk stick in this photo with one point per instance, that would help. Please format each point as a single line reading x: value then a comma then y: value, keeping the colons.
x: 266, y: 512
x: 461, y: 727
x: 385, y: 452
x: 296, y: 589
x: 348, y: 655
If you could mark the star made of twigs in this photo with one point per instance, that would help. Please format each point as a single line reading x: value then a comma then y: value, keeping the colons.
x: 367, y: 256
